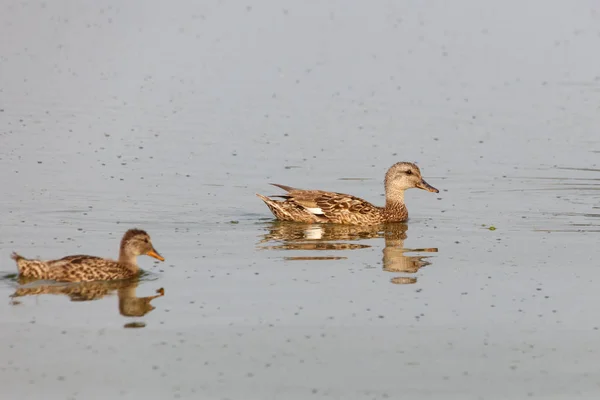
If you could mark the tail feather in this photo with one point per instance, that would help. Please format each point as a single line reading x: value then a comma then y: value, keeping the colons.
x: 264, y: 198
x: 270, y: 202
x: 30, y: 268
x: 274, y: 206
x: 16, y: 256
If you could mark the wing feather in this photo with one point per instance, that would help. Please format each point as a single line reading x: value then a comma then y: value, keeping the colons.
x: 76, y: 259
x: 331, y: 206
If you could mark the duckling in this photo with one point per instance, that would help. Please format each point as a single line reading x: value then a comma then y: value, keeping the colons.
x: 317, y: 206
x: 82, y: 268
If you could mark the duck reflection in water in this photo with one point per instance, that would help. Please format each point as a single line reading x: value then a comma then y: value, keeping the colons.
x: 298, y: 236
x: 129, y: 304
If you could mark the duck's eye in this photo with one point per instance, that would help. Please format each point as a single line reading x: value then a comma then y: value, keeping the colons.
x: 409, y: 172
x: 146, y: 240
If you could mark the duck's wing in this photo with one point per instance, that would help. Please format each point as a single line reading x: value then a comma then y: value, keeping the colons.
x: 85, y: 269
x: 336, y: 207
x: 325, y: 206
x: 331, y: 203
x: 76, y: 259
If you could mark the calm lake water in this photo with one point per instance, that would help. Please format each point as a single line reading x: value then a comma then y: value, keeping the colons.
x: 170, y: 117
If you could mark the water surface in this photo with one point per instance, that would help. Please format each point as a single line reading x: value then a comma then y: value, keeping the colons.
x: 170, y: 117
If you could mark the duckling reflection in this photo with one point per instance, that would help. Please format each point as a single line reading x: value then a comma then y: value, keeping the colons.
x: 129, y: 304
x: 132, y: 306
x: 297, y: 236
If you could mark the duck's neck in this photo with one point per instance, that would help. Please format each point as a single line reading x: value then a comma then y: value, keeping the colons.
x: 394, y: 205
x: 394, y: 196
x: 128, y: 259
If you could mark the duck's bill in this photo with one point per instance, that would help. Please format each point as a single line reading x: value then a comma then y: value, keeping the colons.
x: 154, y: 253
x: 426, y: 186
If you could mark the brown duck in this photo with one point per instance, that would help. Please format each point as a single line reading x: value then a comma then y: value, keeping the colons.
x: 317, y: 206
x: 82, y: 268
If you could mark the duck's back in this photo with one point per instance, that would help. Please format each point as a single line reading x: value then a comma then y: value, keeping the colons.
x: 81, y: 268
x: 339, y: 208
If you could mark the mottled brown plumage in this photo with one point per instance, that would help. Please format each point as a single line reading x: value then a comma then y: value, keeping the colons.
x: 83, y: 268
x: 317, y: 206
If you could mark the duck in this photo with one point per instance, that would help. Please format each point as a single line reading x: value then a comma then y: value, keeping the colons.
x: 84, y: 268
x: 318, y: 206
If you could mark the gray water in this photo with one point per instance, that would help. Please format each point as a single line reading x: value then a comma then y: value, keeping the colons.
x: 170, y: 116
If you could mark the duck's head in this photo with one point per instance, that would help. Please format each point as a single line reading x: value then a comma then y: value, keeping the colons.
x: 137, y: 242
x: 405, y: 175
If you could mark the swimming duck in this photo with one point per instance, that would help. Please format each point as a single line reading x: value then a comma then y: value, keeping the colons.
x: 82, y: 268
x: 317, y: 206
